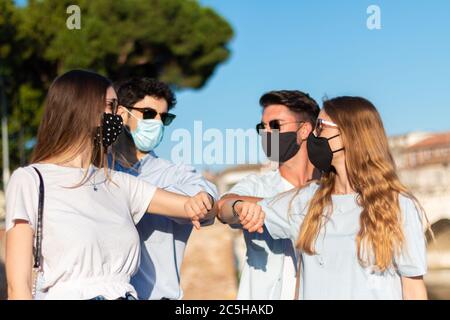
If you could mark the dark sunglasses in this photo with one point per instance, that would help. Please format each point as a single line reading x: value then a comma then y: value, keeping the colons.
x: 149, y: 113
x: 273, y: 125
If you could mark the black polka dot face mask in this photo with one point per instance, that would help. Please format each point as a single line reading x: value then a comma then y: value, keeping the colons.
x: 111, y: 128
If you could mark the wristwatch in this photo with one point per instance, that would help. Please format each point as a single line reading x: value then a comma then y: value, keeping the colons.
x: 233, y: 207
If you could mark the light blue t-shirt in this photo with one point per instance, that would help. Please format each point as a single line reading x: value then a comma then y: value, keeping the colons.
x: 163, y: 240
x: 335, y: 272
x: 269, y: 267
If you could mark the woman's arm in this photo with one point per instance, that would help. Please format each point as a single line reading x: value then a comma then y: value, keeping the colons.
x: 175, y: 205
x: 414, y: 288
x: 19, y: 260
x: 251, y: 216
x: 225, y: 210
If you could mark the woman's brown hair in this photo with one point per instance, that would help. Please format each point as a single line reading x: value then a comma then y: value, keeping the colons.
x: 372, y: 174
x: 73, y: 112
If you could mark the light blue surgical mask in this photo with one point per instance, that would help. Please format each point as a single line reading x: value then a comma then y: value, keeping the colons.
x: 148, y: 133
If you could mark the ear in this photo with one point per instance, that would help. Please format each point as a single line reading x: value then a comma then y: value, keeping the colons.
x: 121, y: 111
x: 304, y: 131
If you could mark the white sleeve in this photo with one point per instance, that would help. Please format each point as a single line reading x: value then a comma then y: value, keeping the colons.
x: 139, y: 192
x: 412, y: 261
x: 22, y: 197
x: 285, y: 212
x: 283, y: 215
x: 189, y: 182
x: 247, y: 187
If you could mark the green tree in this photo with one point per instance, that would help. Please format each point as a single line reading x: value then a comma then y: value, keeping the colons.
x: 178, y: 41
x: 23, y: 98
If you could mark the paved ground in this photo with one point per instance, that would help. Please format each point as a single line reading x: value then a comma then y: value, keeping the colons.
x: 208, y: 270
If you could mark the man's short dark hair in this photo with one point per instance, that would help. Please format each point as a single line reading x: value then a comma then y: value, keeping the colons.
x: 133, y: 90
x: 296, y: 101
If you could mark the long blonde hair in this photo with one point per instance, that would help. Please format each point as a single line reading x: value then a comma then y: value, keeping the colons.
x: 372, y: 174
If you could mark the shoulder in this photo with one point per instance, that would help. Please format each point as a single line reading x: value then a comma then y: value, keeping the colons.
x: 305, y: 193
x: 120, y: 177
x: 131, y: 186
x: 118, y: 180
x: 247, y: 186
x: 405, y: 201
x: 409, y: 208
x: 310, y: 188
x: 156, y: 163
x: 23, y: 175
x: 261, y: 178
x: 297, y: 198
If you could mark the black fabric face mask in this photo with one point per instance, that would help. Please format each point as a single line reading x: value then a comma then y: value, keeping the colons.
x: 112, y: 125
x: 320, y: 153
x: 288, y: 146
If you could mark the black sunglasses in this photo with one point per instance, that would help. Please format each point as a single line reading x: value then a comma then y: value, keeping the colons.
x: 273, y: 125
x: 149, y: 113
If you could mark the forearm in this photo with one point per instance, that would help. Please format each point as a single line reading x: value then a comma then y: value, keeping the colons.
x: 19, y: 291
x: 225, y: 210
x: 19, y: 259
x: 191, y: 190
x: 168, y: 204
x: 414, y: 288
x: 177, y: 206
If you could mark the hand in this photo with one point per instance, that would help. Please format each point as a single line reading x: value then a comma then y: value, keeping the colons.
x: 197, y: 207
x: 251, y: 216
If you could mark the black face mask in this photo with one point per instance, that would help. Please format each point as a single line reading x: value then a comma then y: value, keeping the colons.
x: 288, y: 146
x: 112, y: 125
x: 320, y: 153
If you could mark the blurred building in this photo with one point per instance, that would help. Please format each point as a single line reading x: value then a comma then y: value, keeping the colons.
x: 424, y: 167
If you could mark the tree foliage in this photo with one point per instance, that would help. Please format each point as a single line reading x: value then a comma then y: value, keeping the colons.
x: 178, y: 41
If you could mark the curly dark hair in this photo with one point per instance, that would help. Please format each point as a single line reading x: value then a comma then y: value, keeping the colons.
x: 296, y: 101
x: 131, y: 91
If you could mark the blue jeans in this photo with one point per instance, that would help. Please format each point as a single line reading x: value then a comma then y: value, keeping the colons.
x: 128, y: 296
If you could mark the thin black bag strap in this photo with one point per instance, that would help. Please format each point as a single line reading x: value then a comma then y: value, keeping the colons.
x: 38, y: 247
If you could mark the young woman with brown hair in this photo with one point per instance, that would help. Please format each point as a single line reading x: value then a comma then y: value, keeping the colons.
x: 90, y: 245
x: 359, y: 230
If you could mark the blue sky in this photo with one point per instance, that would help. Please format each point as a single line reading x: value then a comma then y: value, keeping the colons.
x: 324, y: 47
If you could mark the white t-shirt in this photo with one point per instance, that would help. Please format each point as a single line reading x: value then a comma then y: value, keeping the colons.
x: 270, y: 264
x: 90, y: 245
x: 334, y: 271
